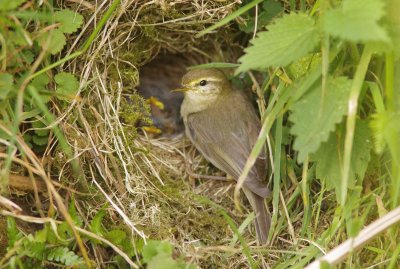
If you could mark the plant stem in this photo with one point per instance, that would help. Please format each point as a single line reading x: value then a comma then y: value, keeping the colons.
x: 351, y: 118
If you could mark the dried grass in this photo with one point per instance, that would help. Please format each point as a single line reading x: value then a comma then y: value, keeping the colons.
x: 141, y: 179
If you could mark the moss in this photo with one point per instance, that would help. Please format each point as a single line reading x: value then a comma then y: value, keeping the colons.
x: 183, y: 216
x: 133, y: 112
x: 150, y: 31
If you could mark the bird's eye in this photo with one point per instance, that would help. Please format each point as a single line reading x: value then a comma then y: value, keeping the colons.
x: 203, y: 83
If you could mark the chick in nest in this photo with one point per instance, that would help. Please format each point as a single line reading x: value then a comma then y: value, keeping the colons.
x: 157, y: 79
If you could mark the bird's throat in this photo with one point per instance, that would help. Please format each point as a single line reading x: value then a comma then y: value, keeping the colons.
x: 194, y: 102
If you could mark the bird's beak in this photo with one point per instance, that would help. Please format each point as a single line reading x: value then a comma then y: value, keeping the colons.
x: 183, y: 89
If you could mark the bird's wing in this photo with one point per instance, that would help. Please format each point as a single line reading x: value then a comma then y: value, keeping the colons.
x: 228, y: 138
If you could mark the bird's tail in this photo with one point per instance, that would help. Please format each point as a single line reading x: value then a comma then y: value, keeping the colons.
x: 263, y: 219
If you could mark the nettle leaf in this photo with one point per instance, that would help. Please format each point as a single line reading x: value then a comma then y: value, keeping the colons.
x: 67, y: 86
x: 70, y: 20
x: 10, y: 4
x: 54, y: 41
x: 314, y: 116
x: 393, y: 24
x: 329, y: 157
x: 287, y: 40
x: 357, y: 21
x: 6, y: 85
x: 303, y: 65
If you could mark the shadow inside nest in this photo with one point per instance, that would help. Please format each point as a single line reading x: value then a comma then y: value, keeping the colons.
x: 157, y: 80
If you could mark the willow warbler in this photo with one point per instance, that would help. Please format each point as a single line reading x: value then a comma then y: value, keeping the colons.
x: 223, y: 125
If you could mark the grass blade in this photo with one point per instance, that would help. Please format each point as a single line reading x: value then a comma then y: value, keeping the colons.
x: 277, y: 172
x: 227, y: 19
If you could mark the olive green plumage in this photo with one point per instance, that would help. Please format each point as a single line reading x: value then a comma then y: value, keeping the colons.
x: 223, y: 126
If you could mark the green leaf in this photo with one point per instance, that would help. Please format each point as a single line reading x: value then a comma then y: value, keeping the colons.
x: 27, y: 137
x: 116, y: 236
x: 64, y: 256
x: 64, y: 230
x: 40, y: 140
x: 357, y: 21
x: 27, y: 56
x: 17, y: 37
x: 41, y: 81
x: 162, y: 261
x: 326, y: 265
x: 70, y: 20
x: 54, y: 41
x: 329, y: 157
x: 213, y: 65
x: 6, y: 85
x: 32, y: 248
x: 355, y: 226
x: 130, y: 247
x: 40, y: 131
x: 287, y: 40
x: 27, y: 114
x: 67, y: 85
x: 96, y: 223
x: 13, y: 234
x: 77, y: 219
x: 303, y: 65
x: 41, y: 235
x: 154, y: 248
x: 393, y: 24
x: 10, y: 4
x: 315, y: 115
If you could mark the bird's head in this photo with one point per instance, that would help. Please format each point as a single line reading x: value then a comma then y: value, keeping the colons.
x: 204, y: 82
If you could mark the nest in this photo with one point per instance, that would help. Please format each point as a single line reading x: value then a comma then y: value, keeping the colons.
x: 142, y: 179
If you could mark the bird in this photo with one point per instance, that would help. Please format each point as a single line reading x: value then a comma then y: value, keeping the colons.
x: 223, y: 125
